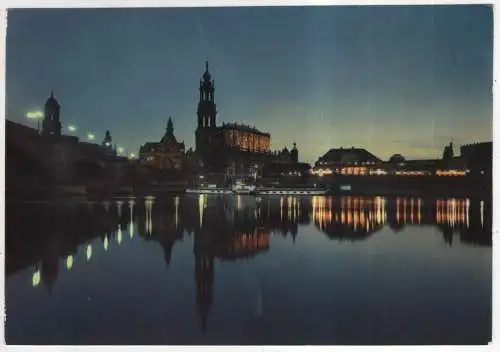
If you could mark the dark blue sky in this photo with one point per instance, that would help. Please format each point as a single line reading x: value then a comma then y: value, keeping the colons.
x: 390, y: 79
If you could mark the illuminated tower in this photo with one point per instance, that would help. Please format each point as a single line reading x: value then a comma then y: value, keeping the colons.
x: 207, y: 111
x: 51, y: 124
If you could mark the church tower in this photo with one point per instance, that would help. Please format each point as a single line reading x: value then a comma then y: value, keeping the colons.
x: 294, y: 154
x: 207, y: 112
x: 107, y: 141
x: 51, y: 124
x: 170, y: 128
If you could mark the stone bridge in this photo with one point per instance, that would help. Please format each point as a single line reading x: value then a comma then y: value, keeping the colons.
x: 34, y: 158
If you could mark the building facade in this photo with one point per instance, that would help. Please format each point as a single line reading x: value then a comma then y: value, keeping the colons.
x: 168, y: 154
x: 347, y: 161
x: 478, y: 157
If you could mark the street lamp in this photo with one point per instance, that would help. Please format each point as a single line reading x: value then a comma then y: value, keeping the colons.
x: 35, y: 115
x: 131, y: 156
x: 90, y: 136
x: 120, y: 150
x: 71, y: 129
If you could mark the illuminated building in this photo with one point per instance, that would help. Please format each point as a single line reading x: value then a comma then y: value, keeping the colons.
x: 345, y: 161
x: 233, y: 149
x: 245, y: 138
x: 51, y: 123
x: 244, y: 244
x: 168, y: 154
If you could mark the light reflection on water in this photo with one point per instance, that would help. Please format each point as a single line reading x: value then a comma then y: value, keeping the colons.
x: 231, y: 231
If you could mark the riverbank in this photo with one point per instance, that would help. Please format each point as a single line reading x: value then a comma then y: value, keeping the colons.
x: 409, y: 186
x: 343, y: 185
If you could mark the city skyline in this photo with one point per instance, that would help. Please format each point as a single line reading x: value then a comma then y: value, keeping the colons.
x: 308, y: 75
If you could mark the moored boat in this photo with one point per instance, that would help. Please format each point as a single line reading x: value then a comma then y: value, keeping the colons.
x: 291, y: 191
x: 242, y: 188
x: 209, y: 191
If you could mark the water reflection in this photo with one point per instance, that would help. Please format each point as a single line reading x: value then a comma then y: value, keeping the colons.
x: 224, y: 228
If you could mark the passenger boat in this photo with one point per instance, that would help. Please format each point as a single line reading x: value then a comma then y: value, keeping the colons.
x: 242, y: 188
x: 208, y: 190
x: 237, y: 188
x: 291, y: 191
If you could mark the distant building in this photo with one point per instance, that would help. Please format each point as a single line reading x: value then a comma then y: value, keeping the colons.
x: 419, y: 167
x: 478, y: 157
x: 396, y: 159
x: 347, y: 161
x: 51, y: 124
x: 168, y: 154
x: 448, y: 152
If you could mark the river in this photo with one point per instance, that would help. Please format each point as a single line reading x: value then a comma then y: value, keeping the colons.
x: 249, y: 271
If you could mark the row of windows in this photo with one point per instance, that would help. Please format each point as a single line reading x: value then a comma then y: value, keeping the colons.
x: 348, y: 163
x: 246, y: 140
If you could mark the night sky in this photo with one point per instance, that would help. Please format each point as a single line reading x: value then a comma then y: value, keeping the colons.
x: 390, y: 79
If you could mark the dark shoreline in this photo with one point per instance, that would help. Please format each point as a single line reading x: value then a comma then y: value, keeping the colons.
x: 474, y: 187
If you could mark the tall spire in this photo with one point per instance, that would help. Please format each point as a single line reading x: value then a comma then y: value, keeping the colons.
x: 206, y: 75
x: 170, y: 127
x: 52, y: 94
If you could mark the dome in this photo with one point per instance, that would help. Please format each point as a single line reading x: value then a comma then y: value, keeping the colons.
x: 397, y: 158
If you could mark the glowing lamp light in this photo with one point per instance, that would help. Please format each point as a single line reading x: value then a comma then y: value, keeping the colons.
x: 34, y: 115
x: 36, y: 278
x: 120, y: 150
x: 119, y: 236
x: 69, y: 262
x: 131, y: 156
x: 108, y: 144
x: 72, y: 128
x: 89, y: 252
x: 131, y: 229
x: 90, y: 136
x: 106, y: 243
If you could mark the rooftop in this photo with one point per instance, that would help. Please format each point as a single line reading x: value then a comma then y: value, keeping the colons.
x: 348, y: 154
x: 242, y: 127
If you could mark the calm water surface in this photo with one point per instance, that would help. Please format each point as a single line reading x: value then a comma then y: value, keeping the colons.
x: 239, y: 270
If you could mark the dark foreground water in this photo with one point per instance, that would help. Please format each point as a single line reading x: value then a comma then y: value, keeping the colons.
x: 231, y: 270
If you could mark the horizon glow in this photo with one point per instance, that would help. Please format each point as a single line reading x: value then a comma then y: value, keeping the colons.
x: 409, y: 81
